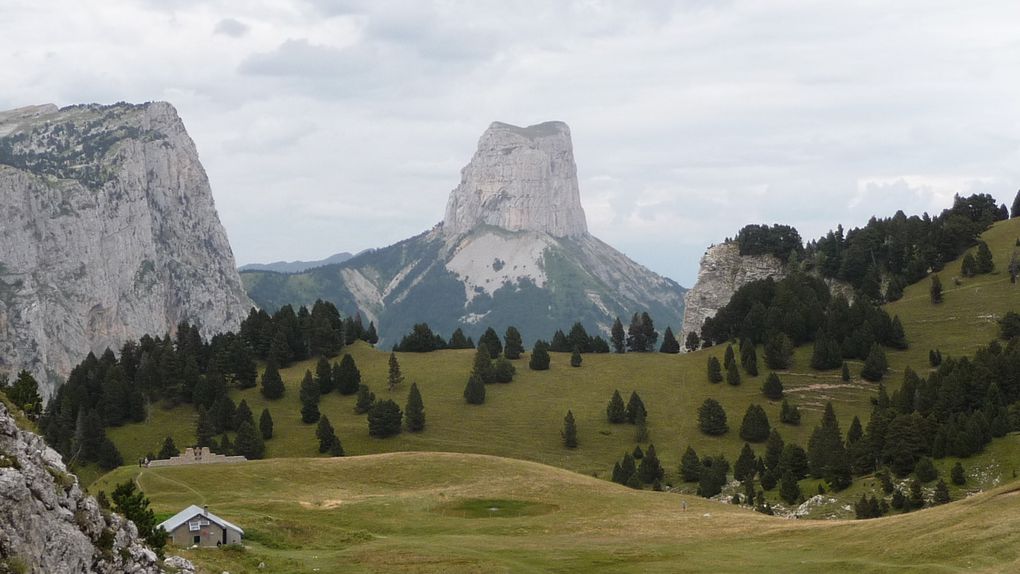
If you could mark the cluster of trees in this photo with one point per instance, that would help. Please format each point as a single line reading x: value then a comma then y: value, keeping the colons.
x: 640, y: 336
x: 23, y: 392
x: 779, y: 240
x: 639, y: 468
x: 421, y: 339
x: 978, y: 264
x: 494, y: 366
x: 634, y: 412
x: 223, y: 417
x: 287, y: 336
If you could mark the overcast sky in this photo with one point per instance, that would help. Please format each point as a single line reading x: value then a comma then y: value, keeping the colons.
x: 331, y: 126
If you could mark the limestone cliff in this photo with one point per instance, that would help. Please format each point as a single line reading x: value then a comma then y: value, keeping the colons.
x: 48, y: 525
x: 513, y: 249
x: 723, y: 271
x: 107, y: 232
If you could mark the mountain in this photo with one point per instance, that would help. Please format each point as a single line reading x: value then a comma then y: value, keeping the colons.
x: 513, y: 249
x: 296, y: 266
x: 108, y: 232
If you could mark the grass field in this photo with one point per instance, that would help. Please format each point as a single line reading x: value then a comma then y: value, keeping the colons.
x: 447, y: 512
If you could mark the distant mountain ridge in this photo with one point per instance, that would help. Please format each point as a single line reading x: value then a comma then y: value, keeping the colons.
x: 296, y: 266
x: 513, y: 249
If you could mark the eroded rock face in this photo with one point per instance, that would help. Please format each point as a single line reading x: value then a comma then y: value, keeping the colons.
x: 49, y: 525
x: 108, y: 231
x: 520, y: 179
x: 723, y: 270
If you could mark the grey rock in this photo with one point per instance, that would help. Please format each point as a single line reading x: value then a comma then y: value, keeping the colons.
x: 49, y: 525
x: 108, y: 231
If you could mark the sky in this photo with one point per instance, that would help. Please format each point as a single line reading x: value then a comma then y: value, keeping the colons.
x: 330, y: 126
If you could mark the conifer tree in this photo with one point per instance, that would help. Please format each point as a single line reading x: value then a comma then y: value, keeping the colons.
x: 133, y: 505
x: 773, y: 450
x: 169, y: 449
x: 635, y: 407
x: 935, y: 290
x: 490, y: 340
x: 733, y: 374
x: 309, y: 395
x: 414, y: 410
x: 712, y: 476
x: 618, y: 477
x: 778, y: 351
x: 638, y: 454
x: 793, y: 460
x: 459, y: 341
x: 266, y: 425
x: 385, y: 419
x: 958, y: 475
x: 728, y: 357
x: 222, y: 414
x: 712, y: 418
x: 641, y: 427
x: 616, y: 412
x: 827, y: 455
x: 650, y: 469
x: 618, y: 339
x: 925, y: 471
x: 844, y: 373
x: 1015, y: 211
x: 539, y: 356
x: 204, y: 430
x: 242, y: 414
x: 744, y: 468
x: 789, y: 490
x: 328, y: 441
x: 749, y: 358
x: 897, y: 337
x: 324, y: 376
x: 575, y: 358
x: 773, y: 387
x: 875, y: 365
x: 514, y: 347
x: 272, y: 384
x: 941, y: 493
x: 474, y: 392
x: 983, y: 262
x: 569, y: 433
x: 226, y: 447
x: 503, y: 370
x: 755, y: 426
x: 669, y: 342
x: 715, y: 375
x: 692, y: 342
x: 395, y: 377
x: 249, y: 443
x: 364, y: 400
x: 690, y: 466
x: 968, y: 267
x: 346, y: 376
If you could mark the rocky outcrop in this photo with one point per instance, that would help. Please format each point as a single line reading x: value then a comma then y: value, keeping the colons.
x: 723, y: 271
x: 107, y: 232
x: 520, y: 179
x: 48, y: 525
x: 514, y: 249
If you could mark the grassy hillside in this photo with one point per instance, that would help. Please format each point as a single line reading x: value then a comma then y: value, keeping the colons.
x: 523, y: 419
x: 430, y: 512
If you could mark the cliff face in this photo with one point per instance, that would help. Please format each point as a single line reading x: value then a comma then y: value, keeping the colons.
x: 49, y: 525
x: 723, y: 270
x: 514, y: 249
x: 107, y: 232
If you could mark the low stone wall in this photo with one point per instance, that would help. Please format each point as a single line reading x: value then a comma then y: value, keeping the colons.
x: 197, y: 456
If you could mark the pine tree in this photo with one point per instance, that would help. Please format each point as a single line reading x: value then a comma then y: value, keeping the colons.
x: 897, y: 337
x: 459, y: 341
x: 133, y: 505
x: 539, y: 356
x: 222, y: 414
x: 346, y: 376
x: 749, y: 358
x: 728, y: 357
x: 272, y: 384
x: 569, y: 433
x: 635, y: 407
x: 744, y: 468
x: 414, y: 410
x: 773, y: 387
x: 490, y: 340
x: 983, y: 262
x: 204, y: 429
x: 650, y: 469
x: 249, y: 443
x: 669, y: 342
x: 618, y: 337
x: 692, y: 342
x: 328, y: 441
x: 242, y: 414
x: 715, y: 375
x: 169, y: 449
x: 266, y: 425
x: 395, y: 377
x: 925, y: 471
x: 826, y: 452
x: 641, y: 427
x: 844, y: 372
x: 474, y: 392
x: 732, y: 374
x: 385, y: 419
x: 778, y: 352
x: 364, y: 400
x: 627, y: 468
x: 789, y: 490
x: 755, y: 426
x: 875, y: 365
x: 690, y: 466
x: 712, y: 418
x: 514, y: 346
x: 616, y: 412
x: 968, y: 267
x: 712, y: 476
x: 941, y: 493
x: 575, y: 358
x: 958, y: 475
x: 1015, y: 211
x: 324, y: 376
x: 309, y: 394
x: 773, y: 450
x: 936, y: 290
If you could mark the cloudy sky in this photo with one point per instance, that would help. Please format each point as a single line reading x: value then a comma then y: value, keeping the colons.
x: 332, y: 126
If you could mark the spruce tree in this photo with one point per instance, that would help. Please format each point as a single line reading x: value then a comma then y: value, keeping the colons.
x: 690, y: 466
x: 983, y: 262
x: 897, y: 337
x: 749, y: 358
x: 875, y: 365
x: 641, y: 427
x: 458, y: 340
x: 789, y: 489
x: 503, y: 370
x: 712, y: 476
x: 650, y: 469
x: 539, y: 356
x: 935, y: 291
x: 249, y: 443
x: 364, y: 400
x: 714, y: 371
x: 346, y: 376
x: 627, y: 467
x: 616, y: 412
x: 169, y: 449
x: 266, y: 425
x: 958, y: 475
x: 712, y: 418
x: 635, y: 407
x: 514, y: 346
x: 395, y: 377
x: 827, y: 454
x: 1015, y: 211
x: 385, y: 419
x: 618, y: 339
x: 773, y: 387
x: 669, y: 342
x: 569, y: 433
x: 793, y: 460
x: 844, y: 373
x: 204, y: 430
x: 328, y: 441
x: 773, y: 450
x: 575, y: 358
x: 744, y: 468
x: 491, y: 341
x: 309, y: 394
x: 692, y: 342
x: 778, y: 352
x: 728, y: 357
x: 474, y: 392
x: 733, y: 374
x: 414, y: 410
x: 941, y: 493
x: 272, y: 384
x: 925, y: 471
x: 968, y: 267
x: 133, y: 505
x: 755, y: 425
x: 638, y: 454
x: 242, y: 414
x: 324, y: 376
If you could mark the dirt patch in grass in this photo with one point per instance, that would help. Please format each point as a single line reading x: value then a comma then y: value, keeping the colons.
x: 494, y: 508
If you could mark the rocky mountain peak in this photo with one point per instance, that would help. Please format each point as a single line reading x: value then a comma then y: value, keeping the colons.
x: 520, y: 179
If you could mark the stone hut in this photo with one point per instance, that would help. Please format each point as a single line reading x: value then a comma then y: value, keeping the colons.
x: 196, y: 526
